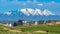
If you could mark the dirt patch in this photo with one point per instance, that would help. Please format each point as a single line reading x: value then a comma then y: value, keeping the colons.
x: 40, y: 31
x: 6, y: 29
x: 14, y: 30
x: 57, y: 23
x: 50, y: 24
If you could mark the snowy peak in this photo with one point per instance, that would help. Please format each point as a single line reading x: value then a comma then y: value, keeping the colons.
x: 37, y: 12
x: 47, y: 12
x: 7, y: 13
x: 29, y: 11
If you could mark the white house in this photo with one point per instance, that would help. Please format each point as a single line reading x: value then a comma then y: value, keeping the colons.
x: 36, y: 22
x: 7, y: 24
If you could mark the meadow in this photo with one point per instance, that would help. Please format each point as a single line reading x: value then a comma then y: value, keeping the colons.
x: 33, y: 29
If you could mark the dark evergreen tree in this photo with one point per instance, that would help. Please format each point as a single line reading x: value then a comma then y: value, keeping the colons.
x: 15, y: 24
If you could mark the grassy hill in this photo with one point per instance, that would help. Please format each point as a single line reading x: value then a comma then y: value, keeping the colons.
x: 33, y: 29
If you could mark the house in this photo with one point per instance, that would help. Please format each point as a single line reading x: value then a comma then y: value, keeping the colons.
x: 7, y: 24
x: 25, y: 22
x: 36, y: 22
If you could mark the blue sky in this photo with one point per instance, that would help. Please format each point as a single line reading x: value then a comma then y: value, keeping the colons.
x: 8, y: 5
x: 52, y: 5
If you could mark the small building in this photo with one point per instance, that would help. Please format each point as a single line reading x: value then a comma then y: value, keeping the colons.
x: 25, y: 22
x: 36, y: 22
x: 7, y: 24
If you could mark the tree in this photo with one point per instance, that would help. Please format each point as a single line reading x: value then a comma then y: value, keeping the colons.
x: 15, y: 24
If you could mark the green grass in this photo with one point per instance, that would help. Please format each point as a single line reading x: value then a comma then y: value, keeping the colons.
x: 53, y: 29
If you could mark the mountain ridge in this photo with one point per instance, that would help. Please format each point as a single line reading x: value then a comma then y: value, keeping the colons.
x: 18, y: 15
x: 29, y: 11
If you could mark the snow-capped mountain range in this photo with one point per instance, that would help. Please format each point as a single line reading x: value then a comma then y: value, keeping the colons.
x: 29, y: 11
x: 29, y: 14
x: 33, y: 12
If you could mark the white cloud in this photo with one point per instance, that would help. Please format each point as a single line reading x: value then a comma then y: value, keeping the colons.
x: 40, y: 4
x: 8, y: 13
